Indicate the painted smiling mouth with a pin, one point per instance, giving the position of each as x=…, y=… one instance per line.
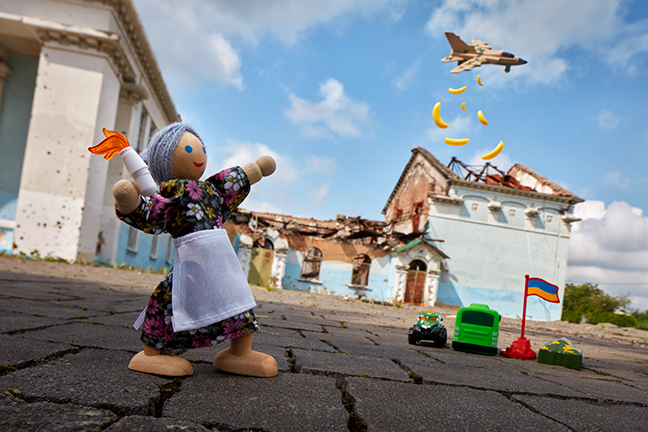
x=199, y=164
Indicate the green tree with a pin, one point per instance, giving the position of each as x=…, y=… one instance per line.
x=586, y=302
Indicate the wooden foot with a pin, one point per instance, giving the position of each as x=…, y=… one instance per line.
x=254, y=364
x=241, y=360
x=151, y=361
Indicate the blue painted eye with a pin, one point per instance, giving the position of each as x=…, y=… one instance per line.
x=204, y=150
x=188, y=149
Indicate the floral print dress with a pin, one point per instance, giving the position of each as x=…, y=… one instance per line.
x=184, y=207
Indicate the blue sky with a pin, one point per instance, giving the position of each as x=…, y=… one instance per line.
x=339, y=92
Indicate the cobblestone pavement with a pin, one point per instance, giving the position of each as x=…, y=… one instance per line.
x=66, y=340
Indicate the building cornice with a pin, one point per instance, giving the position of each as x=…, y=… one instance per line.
x=570, y=200
x=134, y=30
x=134, y=40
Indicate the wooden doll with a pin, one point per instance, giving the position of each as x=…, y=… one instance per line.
x=205, y=299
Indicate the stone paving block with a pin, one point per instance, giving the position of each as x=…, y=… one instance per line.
x=12, y=321
x=90, y=335
x=360, y=342
x=44, y=308
x=346, y=364
x=152, y=424
x=603, y=388
x=288, y=402
x=635, y=374
x=490, y=378
x=109, y=304
x=414, y=407
x=286, y=338
x=35, y=290
x=17, y=415
x=125, y=319
x=95, y=378
x=586, y=416
x=16, y=350
x=294, y=325
x=461, y=358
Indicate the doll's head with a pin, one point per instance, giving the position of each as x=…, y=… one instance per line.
x=175, y=151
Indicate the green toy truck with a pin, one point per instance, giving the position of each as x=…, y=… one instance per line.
x=428, y=328
x=476, y=330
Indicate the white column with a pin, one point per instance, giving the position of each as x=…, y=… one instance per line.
x=127, y=112
x=62, y=184
x=400, y=284
x=4, y=71
x=278, y=268
x=432, y=291
x=245, y=254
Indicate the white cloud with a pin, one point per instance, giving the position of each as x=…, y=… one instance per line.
x=241, y=153
x=460, y=127
x=336, y=113
x=501, y=161
x=618, y=179
x=405, y=80
x=608, y=120
x=610, y=247
x=317, y=196
x=186, y=48
x=540, y=31
x=321, y=165
x=192, y=38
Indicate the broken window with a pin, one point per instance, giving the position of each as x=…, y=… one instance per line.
x=360, y=274
x=312, y=264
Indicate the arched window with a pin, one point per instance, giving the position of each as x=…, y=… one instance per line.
x=312, y=264
x=263, y=243
x=417, y=265
x=360, y=274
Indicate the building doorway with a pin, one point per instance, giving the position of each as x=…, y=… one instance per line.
x=261, y=263
x=415, y=287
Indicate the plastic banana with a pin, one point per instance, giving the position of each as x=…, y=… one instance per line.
x=495, y=152
x=479, y=80
x=457, y=91
x=481, y=117
x=456, y=142
x=437, y=117
x=463, y=106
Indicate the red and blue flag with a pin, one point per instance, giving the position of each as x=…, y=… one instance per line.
x=542, y=289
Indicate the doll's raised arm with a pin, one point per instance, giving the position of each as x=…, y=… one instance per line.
x=263, y=167
x=126, y=196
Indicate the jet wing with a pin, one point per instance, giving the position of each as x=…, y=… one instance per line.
x=481, y=44
x=466, y=66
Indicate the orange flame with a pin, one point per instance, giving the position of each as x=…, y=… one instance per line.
x=113, y=144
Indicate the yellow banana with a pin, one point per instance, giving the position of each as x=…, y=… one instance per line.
x=482, y=119
x=456, y=142
x=437, y=117
x=479, y=80
x=495, y=152
x=457, y=91
x=463, y=106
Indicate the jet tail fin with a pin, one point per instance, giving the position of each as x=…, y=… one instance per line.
x=457, y=44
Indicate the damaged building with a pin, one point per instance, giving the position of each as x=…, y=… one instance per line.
x=454, y=234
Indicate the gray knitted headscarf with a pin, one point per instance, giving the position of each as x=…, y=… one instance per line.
x=159, y=153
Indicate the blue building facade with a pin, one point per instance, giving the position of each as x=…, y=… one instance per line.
x=495, y=227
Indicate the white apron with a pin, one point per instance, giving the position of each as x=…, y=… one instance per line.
x=208, y=281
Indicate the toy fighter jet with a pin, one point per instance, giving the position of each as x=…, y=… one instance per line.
x=470, y=56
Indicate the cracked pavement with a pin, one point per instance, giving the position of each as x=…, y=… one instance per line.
x=344, y=365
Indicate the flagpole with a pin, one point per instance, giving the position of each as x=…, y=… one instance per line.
x=526, y=289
